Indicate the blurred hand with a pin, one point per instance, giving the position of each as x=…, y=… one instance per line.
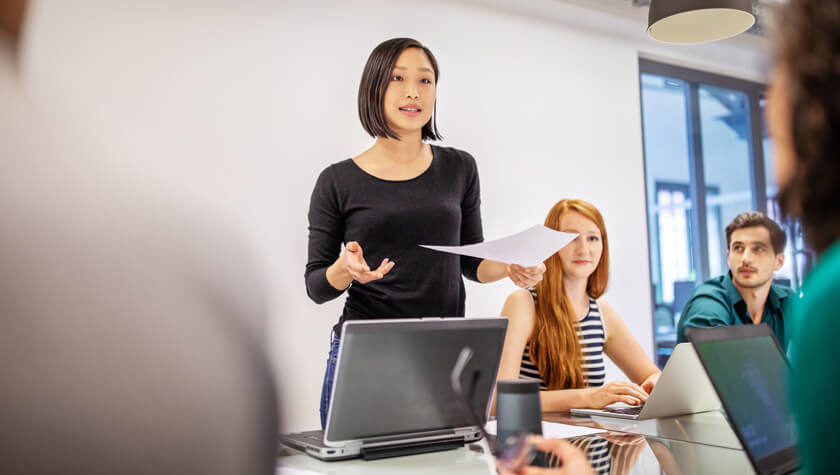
x=570, y=459
x=354, y=262
x=616, y=391
x=651, y=381
x=525, y=277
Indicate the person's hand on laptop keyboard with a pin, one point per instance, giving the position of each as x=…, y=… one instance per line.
x=616, y=391
x=651, y=381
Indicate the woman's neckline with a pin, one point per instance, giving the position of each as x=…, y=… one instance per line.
x=416, y=177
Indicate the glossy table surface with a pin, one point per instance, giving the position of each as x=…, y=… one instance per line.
x=708, y=428
x=695, y=444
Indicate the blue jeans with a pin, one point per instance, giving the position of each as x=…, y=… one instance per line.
x=329, y=375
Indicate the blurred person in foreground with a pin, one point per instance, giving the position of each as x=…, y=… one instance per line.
x=803, y=114
x=564, y=457
x=124, y=345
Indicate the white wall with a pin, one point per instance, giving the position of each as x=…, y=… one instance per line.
x=241, y=104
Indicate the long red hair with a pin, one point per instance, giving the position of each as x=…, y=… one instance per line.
x=553, y=344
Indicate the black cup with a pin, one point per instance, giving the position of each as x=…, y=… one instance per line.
x=518, y=408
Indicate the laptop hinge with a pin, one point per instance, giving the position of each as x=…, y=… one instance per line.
x=421, y=447
x=420, y=436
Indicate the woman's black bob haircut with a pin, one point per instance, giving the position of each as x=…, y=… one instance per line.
x=375, y=80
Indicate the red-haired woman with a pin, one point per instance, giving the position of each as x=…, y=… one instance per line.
x=560, y=330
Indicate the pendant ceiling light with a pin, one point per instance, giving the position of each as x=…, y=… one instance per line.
x=698, y=21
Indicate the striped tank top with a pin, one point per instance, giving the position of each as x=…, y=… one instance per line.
x=591, y=336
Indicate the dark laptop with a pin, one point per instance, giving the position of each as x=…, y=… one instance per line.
x=392, y=394
x=750, y=374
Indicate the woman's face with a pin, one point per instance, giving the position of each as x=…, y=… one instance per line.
x=581, y=257
x=780, y=125
x=410, y=96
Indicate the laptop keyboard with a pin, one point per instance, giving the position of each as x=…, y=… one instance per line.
x=310, y=435
x=311, y=438
x=630, y=411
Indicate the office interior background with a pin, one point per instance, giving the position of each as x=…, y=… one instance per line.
x=240, y=105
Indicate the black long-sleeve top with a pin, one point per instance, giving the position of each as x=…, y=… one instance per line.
x=390, y=219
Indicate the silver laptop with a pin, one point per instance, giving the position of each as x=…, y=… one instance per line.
x=683, y=388
x=392, y=394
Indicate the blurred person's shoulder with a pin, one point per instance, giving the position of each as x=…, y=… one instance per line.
x=60, y=197
x=131, y=318
x=822, y=284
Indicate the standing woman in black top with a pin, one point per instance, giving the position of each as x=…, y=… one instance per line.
x=399, y=193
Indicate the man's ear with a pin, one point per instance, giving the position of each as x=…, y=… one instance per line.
x=780, y=260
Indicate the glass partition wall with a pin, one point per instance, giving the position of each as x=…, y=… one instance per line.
x=707, y=159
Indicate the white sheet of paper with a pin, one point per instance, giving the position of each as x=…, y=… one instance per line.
x=527, y=248
x=554, y=430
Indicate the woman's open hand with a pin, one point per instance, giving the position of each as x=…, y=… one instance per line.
x=357, y=267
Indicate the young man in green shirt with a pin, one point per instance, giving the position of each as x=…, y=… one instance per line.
x=746, y=294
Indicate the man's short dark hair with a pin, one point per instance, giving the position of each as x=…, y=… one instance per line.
x=375, y=80
x=751, y=219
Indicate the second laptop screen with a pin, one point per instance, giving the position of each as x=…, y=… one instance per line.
x=750, y=375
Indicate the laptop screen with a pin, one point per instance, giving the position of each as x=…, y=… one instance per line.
x=750, y=375
x=393, y=377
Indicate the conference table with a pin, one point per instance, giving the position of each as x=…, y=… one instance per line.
x=690, y=444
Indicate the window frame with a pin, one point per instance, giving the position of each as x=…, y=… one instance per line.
x=659, y=185
x=692, y=79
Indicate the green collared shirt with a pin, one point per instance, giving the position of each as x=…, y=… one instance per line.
x=717, y=302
